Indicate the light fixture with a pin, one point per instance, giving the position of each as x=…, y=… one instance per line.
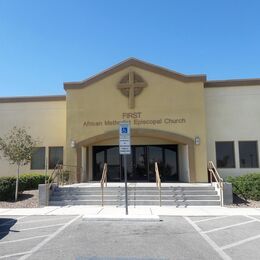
x=73, y=144
x=197, y=140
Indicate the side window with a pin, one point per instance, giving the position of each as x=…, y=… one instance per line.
x=55, y=156
x=225, y=154
x=38, y=159
x=248, y=154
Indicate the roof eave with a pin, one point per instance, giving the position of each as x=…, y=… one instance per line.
x=140, y=64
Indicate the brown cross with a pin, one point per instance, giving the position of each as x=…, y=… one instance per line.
x=131, y=85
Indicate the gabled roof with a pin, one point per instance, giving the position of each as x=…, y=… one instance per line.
x=139, y=64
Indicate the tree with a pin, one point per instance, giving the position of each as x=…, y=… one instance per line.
x=17, y=147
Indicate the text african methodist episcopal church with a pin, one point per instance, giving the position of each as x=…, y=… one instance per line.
x=180, y=121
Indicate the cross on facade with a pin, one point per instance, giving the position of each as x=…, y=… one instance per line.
x=131, y=86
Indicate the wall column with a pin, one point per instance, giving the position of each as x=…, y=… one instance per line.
x=83, y=164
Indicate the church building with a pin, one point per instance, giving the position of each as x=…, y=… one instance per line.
x=179, y=121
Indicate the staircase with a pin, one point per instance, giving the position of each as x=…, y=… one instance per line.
x=172, y=194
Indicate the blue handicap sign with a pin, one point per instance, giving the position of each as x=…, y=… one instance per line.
x=124, y=130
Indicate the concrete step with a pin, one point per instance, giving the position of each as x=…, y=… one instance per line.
x=121, y=191
x=179, y=188
x=184, y=203
x=135, y=197
x=193, y=195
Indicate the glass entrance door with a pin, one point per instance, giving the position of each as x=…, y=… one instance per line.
x=110, y=155
x=140, y=164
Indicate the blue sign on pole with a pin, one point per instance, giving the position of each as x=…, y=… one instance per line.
x=124, y=138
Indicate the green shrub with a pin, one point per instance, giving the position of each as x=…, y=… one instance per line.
x=247, y=185
x=7, y=188
x=28, y=181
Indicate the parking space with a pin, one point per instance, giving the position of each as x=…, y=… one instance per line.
x=19, y=236
x=232, y=237
x=69, y=237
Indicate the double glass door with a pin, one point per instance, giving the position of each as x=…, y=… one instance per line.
x=140, y=164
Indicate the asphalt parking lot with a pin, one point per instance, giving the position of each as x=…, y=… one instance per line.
x=69, y=237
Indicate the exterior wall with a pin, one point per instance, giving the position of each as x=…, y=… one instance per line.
x=45, y=121
x=163, y=98
x=232, y=115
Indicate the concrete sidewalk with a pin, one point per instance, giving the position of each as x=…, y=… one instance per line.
x=118, y=212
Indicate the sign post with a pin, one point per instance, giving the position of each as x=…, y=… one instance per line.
x=125, y=149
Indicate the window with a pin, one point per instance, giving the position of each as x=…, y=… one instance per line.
x=55, y=156
x=248, y=154
x=38, y=158
x=225, y=154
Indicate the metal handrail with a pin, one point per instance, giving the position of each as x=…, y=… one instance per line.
x=220, y=182
x=158, y=181
x=56, y=172
x=102, y=182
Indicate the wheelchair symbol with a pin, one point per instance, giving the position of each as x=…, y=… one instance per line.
x=124, y=130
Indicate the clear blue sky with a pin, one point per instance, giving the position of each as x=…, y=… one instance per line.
x=45, y=43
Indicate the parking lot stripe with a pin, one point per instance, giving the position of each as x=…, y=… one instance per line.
x=17, y=254
x=48, y=239
x=55, y=225
x=251, y=217
x=207, y=219
x=240, y=242
x=229, y=226
x=42, y=220
x=221, y=253
x=22, y=239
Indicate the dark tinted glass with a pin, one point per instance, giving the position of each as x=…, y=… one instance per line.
x=225, y=154
x=38, y=158
x=113, y=164
x=248, y=155
x=99, y=160
x=55, y=156
x=140, y=163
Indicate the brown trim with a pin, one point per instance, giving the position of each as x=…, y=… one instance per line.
x=176, y=138
x=32, y=99
x=232, y=83
x=139, y=64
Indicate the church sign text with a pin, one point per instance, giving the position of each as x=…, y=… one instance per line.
x=136, y=120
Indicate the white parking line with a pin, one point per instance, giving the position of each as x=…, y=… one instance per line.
x=22, y=239
x=45, y=241
x=225, y=227
x=251, y=217
x=55, y=225
x=219, y=250
x=207, y=219
x=240, y=242
x=43, y=220
x=17, y=254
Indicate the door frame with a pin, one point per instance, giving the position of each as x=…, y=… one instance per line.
x=151, y=133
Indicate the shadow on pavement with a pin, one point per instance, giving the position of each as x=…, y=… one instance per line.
x=239, y=200
x=5, y=226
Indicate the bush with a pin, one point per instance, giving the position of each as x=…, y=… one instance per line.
x=247, y=185
x=7, y=188
x=26, y=182
x=30, y=181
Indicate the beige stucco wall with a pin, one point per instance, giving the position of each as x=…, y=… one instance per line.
x=45, y=121
x=232, y=115
x=163, y=98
